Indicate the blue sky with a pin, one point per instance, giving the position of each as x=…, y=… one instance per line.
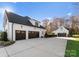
x=38, y=10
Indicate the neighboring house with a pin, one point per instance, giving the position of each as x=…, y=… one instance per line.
x=19, y=27
x=61, y=31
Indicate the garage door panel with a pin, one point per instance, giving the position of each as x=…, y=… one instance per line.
x=62, y=34
x=33, y=34
x=20, y=34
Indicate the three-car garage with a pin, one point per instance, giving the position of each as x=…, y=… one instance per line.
x=20, y=34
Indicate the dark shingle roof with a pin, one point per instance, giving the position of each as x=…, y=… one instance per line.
x=14, y=18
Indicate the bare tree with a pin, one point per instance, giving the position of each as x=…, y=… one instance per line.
x=75, y=23
x=45, y=22
x=48, y=26
x=57, y=22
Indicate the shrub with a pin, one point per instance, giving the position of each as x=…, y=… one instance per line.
x=76, y=36
x=50, y=35
x=4, y=36
x=6, y=43
x=0, y=36
x=71, y=32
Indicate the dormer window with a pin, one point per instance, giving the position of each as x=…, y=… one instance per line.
x=36, y=23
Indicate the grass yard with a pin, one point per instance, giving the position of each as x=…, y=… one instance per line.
x=72, y=48
x=77, y=39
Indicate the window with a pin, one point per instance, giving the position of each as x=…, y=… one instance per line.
x=21, y=26
x=17, y=31
x=36, y=23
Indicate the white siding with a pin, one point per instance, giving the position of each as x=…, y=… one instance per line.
x=7, y=26
x=10, y=31
x=61, y=29
x=25, y=28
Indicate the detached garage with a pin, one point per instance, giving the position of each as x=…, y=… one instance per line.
x=61, y=32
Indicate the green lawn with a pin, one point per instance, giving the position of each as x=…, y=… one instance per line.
x=72, y=48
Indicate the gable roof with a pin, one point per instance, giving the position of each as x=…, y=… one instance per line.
x=14, y=18
x=61, y=29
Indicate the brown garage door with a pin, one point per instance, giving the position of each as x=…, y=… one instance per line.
x=62, y=34
x=33, y=34
x=20, y=34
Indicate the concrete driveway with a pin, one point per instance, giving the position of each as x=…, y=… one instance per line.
x=39, y=47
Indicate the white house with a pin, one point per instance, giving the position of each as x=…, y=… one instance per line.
x=19, y=27
x=61, y=31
